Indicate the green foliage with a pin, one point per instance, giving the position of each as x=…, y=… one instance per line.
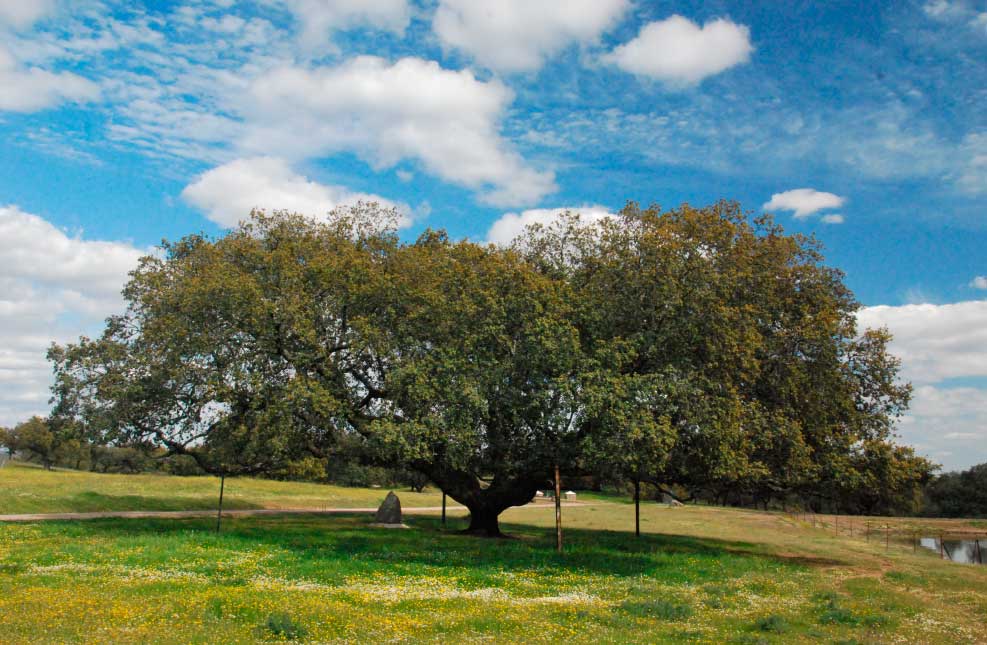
x=775, y=624
x=689, y=347
x=959, y=494
x=282, y=626
x=37, y=441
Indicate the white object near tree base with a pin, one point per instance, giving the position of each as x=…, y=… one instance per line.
x=570, y=494
x=539, y=494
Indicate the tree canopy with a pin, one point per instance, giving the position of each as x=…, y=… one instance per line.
x=691, y=347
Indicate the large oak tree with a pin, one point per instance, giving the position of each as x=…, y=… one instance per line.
x=690, y=347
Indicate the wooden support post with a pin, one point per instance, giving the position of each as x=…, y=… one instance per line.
x=219, y=513
x=443, y=509
x=942, y=548
x=558, y=510
x=637, y=507
x=978, y=556
x=887, y=536
x=837, y=524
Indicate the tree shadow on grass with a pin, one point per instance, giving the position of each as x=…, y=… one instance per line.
x=89, y=501
x=331, y=547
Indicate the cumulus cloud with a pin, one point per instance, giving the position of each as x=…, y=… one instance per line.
x=949, y=424
x=833, y=218
x=387, y=112
x=804, y=202
x=510, y=225
x=518, y=35
x=318, y=18
x=972, y=177
x=935, y=342
x=229, y=192
x=29, y=89
x=24, y=13
x=979, y=282
x=53, y=287
x=680, y=52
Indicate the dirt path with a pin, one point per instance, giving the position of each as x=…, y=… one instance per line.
x=40, y=517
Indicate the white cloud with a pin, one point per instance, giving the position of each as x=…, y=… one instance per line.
x=228, y=193
x=24, y=13
x=387, y=112
x=680, y=52
x=318, y=18
x=52, y=288
x=28, y=89
x=935, y=342
x=833, y=218
x=979, y=282
x=803, y=201
x=942, y=9
x=972, y=177
x=510, y=225
x=518, y=35
x=949, y=424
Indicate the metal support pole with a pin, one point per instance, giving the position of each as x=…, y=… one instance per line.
x=558, y=510
x=637, y=507
x=219, y=513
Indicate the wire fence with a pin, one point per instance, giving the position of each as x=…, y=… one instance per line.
x=964, y=545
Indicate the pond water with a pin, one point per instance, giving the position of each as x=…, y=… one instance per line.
x=962, y=551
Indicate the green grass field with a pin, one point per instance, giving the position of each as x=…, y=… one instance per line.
x=699, y=574
x=29, y=489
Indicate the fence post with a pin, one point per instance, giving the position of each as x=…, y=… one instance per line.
x=558, y=510
x=219, y=513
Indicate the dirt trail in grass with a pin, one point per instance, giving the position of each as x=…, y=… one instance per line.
x=40, y=517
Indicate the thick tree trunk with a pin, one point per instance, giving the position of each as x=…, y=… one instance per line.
x=484, y=522
x=485, y=503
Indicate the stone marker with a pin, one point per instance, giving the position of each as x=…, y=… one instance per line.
x=389, y=513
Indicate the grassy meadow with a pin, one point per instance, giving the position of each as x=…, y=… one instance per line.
x=30, y=489
x=697, y=575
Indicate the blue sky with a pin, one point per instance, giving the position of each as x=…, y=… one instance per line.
x=864, y=124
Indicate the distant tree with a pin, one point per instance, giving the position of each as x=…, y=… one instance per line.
x=6, y=440
x=35, y=440
x=959, y=494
